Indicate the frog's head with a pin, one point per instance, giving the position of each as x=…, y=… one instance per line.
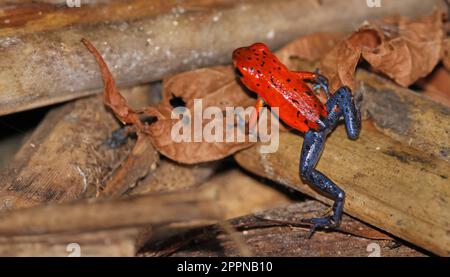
x=248, y=59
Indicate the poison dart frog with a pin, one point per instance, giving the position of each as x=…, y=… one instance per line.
x=276, y=86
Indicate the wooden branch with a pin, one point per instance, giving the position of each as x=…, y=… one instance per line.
x=26, y=16
x=276, y=232
x=136, y=211
x=112, y=243
x=237, y=193
x=388, y=184
x=52, y=66
x=240, y=194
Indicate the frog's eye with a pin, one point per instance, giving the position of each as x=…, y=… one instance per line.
x=260, y=47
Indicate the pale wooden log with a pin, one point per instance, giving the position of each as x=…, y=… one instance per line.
x=39, y=69
x=30, y=16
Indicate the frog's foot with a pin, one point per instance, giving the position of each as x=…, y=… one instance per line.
x=319, y=223
x=321, y=82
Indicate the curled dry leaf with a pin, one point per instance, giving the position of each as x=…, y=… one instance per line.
x=112, y=97
x=308, y=48
x=142, y=160
x=214, y=87
x=304, y=53
x=403, y=49
x=436, y=86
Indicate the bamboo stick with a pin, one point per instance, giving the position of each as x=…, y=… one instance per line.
x=405, y=115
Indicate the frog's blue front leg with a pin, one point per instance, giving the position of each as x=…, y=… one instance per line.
x=341, y=103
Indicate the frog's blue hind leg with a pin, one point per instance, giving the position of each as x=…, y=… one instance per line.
x=311, y=151
x=341, y=103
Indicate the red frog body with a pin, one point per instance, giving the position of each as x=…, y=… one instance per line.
x=264, y=74
x=261, y=72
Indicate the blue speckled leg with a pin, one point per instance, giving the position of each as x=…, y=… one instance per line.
x=341, y=103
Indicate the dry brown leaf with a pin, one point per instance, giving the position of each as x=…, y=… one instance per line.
x=436, y=86
x=112, y=97
x=142, y=160
x=340, y=63
x=304, y=53
x=216, y=87
x=446, y=53
x=309, y=48
x=401, y=48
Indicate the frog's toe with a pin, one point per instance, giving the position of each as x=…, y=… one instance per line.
x=319, y=223
x=322, y=82
x=316, y=88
